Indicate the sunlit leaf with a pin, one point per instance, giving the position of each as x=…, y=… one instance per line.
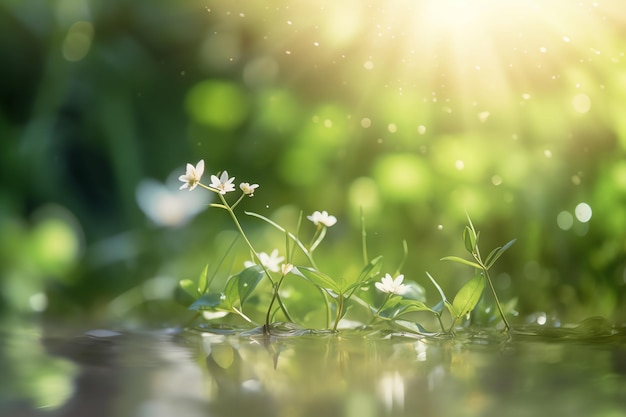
x=469, y=239
x=249, y=278
x=469, y=295
x=496, y=253
x=189, y=287
x=203, y=282
x=320, y=279
x=461, y=261
x=208, y=301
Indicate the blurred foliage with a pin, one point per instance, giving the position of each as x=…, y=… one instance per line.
x=414, y=111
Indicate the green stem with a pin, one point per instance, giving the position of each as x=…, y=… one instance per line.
x=387, y=297
x=495, y=296
x=339, y=312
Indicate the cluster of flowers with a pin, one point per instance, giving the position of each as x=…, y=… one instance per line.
x=222, y=184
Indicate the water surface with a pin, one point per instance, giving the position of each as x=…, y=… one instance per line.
x=100, y=372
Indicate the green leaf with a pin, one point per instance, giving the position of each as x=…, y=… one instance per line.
x=208, y=301
x=231, y=291
x=413, y=305
x=319, y=279
x=370, y=269
x=247, y=281
x=443, y=296
x=203, y=282
x=496, y=253
x=189, y=287
x=469, y=238
x=469, y=295
x=415, y=292
x=461, y=261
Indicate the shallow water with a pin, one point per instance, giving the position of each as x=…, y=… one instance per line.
x=529, y=371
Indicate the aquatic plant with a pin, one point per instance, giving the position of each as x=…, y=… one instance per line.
x=336, y=293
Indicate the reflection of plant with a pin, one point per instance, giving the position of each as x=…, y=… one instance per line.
x=338, y=295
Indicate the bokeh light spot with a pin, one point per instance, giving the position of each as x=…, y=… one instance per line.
x=581, y=103
x=564, y=220
x=402, y=177
x=78, y=41
x=583, y=212
x=218, y=104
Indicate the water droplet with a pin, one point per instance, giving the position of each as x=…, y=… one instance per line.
x=366, y=122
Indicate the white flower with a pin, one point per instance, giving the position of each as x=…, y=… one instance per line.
x=392, y=286
x=286, y=268
x=192, y=176
x=223, y=184
x=271, y=261
x=248, y=188
x=322, y=218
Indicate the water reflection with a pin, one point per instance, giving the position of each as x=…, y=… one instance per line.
x=351, y=373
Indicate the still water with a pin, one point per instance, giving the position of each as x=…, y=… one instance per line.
x=100, y=372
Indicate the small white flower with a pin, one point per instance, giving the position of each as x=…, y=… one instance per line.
x=248, y=188
x=286, y=268
x=271, y=261
x=322, y=218
x=392, y=286
x=192, y=176
x=223, y=184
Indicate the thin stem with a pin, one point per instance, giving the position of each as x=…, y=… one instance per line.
x=243, y=234
x=339, y=312
x=364, y=238
x=495, y=296
x=246, y=318
x=376, y=314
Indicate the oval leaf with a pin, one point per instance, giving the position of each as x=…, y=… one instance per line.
x=468, y=296
x=203, y=282
x=496, y=253
x=189, y=287
x=461, y=261
x=320, y=279
x=207, y=302
x=249, y=278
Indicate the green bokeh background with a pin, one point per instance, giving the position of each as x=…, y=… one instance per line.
x=413, y=112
